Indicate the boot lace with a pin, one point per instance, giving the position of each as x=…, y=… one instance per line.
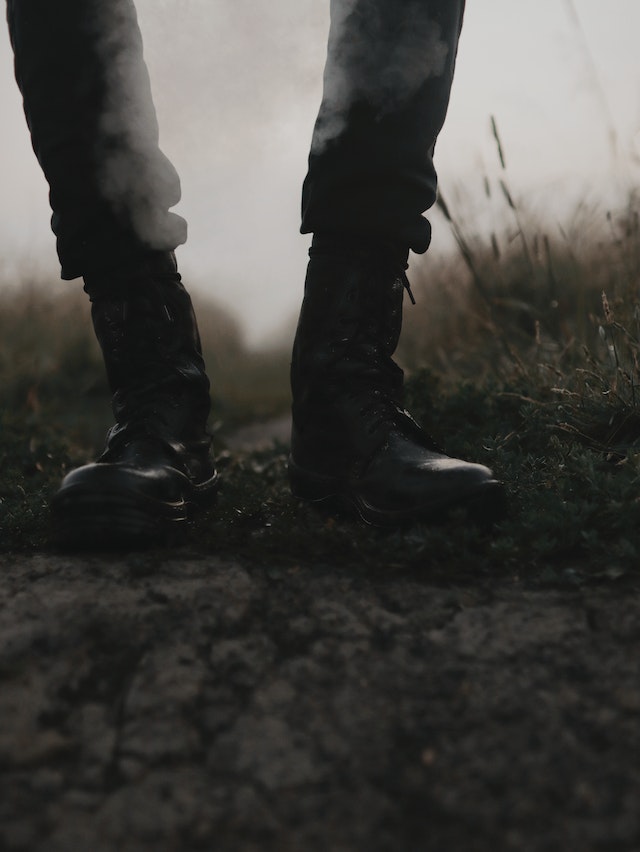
x=371, y=343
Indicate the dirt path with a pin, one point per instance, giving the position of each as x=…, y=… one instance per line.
x=184, y=703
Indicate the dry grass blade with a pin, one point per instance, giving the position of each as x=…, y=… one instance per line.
x=508, y=196
x=465, y=249
x=496, y=136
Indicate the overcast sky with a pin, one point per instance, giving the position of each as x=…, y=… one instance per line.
x=237, y=84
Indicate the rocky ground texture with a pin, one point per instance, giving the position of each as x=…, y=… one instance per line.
x=171, y=701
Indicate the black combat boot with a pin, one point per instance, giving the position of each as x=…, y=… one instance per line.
x=156, y=466
x=353, y=444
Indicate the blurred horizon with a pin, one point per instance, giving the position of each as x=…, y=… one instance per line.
x=237, y=90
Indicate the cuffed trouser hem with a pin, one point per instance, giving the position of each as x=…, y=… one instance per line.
x=113, y=248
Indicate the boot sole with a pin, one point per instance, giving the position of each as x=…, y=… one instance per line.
x=484, y=504
x=84, y=519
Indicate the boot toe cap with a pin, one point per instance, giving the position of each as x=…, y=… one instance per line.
x=405, y=478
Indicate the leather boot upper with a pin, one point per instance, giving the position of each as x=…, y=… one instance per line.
x=149, y=338
x=352, y=438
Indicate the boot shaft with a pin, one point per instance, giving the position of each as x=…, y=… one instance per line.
x=147, y=330
x=347, y=390
x=349, y=328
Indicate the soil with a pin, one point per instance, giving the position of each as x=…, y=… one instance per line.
x=190, y=703
x=175, y=701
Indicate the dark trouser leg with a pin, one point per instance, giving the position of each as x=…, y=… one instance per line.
x=371, y=177
x=88, y=105
x=387, y=81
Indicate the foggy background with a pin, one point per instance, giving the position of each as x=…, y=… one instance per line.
x=237, y=84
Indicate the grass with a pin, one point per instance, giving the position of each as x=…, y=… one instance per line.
x=522, y=353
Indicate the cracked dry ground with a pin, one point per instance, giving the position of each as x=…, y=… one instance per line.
x=179, y=702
